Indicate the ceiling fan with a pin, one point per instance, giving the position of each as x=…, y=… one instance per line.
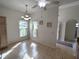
x=43, y=3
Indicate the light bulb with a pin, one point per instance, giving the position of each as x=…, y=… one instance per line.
x=42, y=4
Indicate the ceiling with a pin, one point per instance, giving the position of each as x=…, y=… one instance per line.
x=20, y=4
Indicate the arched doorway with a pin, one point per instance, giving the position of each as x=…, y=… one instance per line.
x=70, y=31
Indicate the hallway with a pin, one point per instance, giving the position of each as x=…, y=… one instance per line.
x=31, y=50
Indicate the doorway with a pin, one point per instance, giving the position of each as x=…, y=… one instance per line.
x=3, y=32
x=70, y=31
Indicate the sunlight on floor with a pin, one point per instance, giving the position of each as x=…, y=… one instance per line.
x=33, y=45
x=23, y=49
x=24, y=46
x=34, y=49
x=26, y=56
x=0, y=56
x=75, y=48
x=8, y=52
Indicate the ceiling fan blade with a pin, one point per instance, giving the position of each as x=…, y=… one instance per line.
x=55, y=2
x=35, y=6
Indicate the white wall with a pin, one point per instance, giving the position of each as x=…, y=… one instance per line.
x=68, y=13
x=13, y=18
x=47, y=36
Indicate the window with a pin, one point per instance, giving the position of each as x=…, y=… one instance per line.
x=23, y=27
x=35, y=28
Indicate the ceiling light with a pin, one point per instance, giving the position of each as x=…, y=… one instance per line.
x=26, y=16
x=29, y=18
x=26, y=19
x=77, y=24
x=42, y=3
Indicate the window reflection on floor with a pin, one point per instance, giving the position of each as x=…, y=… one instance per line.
x=23, y=49
x=34, y=49
x=24, y=52
x=26, y=56
x=9, y=51
x=34, y=52
x=33, y=45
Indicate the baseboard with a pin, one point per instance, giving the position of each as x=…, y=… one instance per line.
x=16, y=42
x=43, y=44
x=1, y=49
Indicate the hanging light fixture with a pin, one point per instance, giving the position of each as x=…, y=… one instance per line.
x=42, y=3
x=77, y=24
x=26, y=15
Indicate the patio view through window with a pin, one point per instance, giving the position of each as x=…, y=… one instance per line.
x=23, y=27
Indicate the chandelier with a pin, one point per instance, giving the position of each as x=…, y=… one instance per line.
x=26, y=15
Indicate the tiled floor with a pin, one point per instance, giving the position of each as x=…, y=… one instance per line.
x=31, y=50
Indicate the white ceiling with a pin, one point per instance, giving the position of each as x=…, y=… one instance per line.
x=20, y=4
